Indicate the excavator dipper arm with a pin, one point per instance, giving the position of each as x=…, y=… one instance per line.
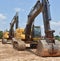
x=46, y=19
x=49, y=46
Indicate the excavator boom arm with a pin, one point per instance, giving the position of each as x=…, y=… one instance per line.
x=32, y=15
x=14, y=21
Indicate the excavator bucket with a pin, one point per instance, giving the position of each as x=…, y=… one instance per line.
x=18, y=44
x=51, y=49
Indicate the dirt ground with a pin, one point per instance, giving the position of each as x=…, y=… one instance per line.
x=8, y=53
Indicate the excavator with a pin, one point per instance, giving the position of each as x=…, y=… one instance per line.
x=7, y=35
x=19, y=41
x=17, y=37
x=49, y=46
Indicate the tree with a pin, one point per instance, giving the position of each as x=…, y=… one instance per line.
x=1, y=34
x=57, y=37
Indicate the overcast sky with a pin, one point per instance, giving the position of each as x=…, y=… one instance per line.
x=8, y=9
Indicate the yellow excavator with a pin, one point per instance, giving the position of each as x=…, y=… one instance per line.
x=18, y=37
x=7, y=35
x=49, y=46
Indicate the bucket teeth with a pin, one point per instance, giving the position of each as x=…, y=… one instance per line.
x=53, y=49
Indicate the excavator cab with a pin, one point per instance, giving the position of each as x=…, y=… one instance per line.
x=35, y=36
x=36, y=33
x=5, y=37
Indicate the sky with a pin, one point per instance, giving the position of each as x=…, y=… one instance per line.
x=8, y=9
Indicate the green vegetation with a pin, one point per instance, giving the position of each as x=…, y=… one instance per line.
x=1, y=34
x=57, y=37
